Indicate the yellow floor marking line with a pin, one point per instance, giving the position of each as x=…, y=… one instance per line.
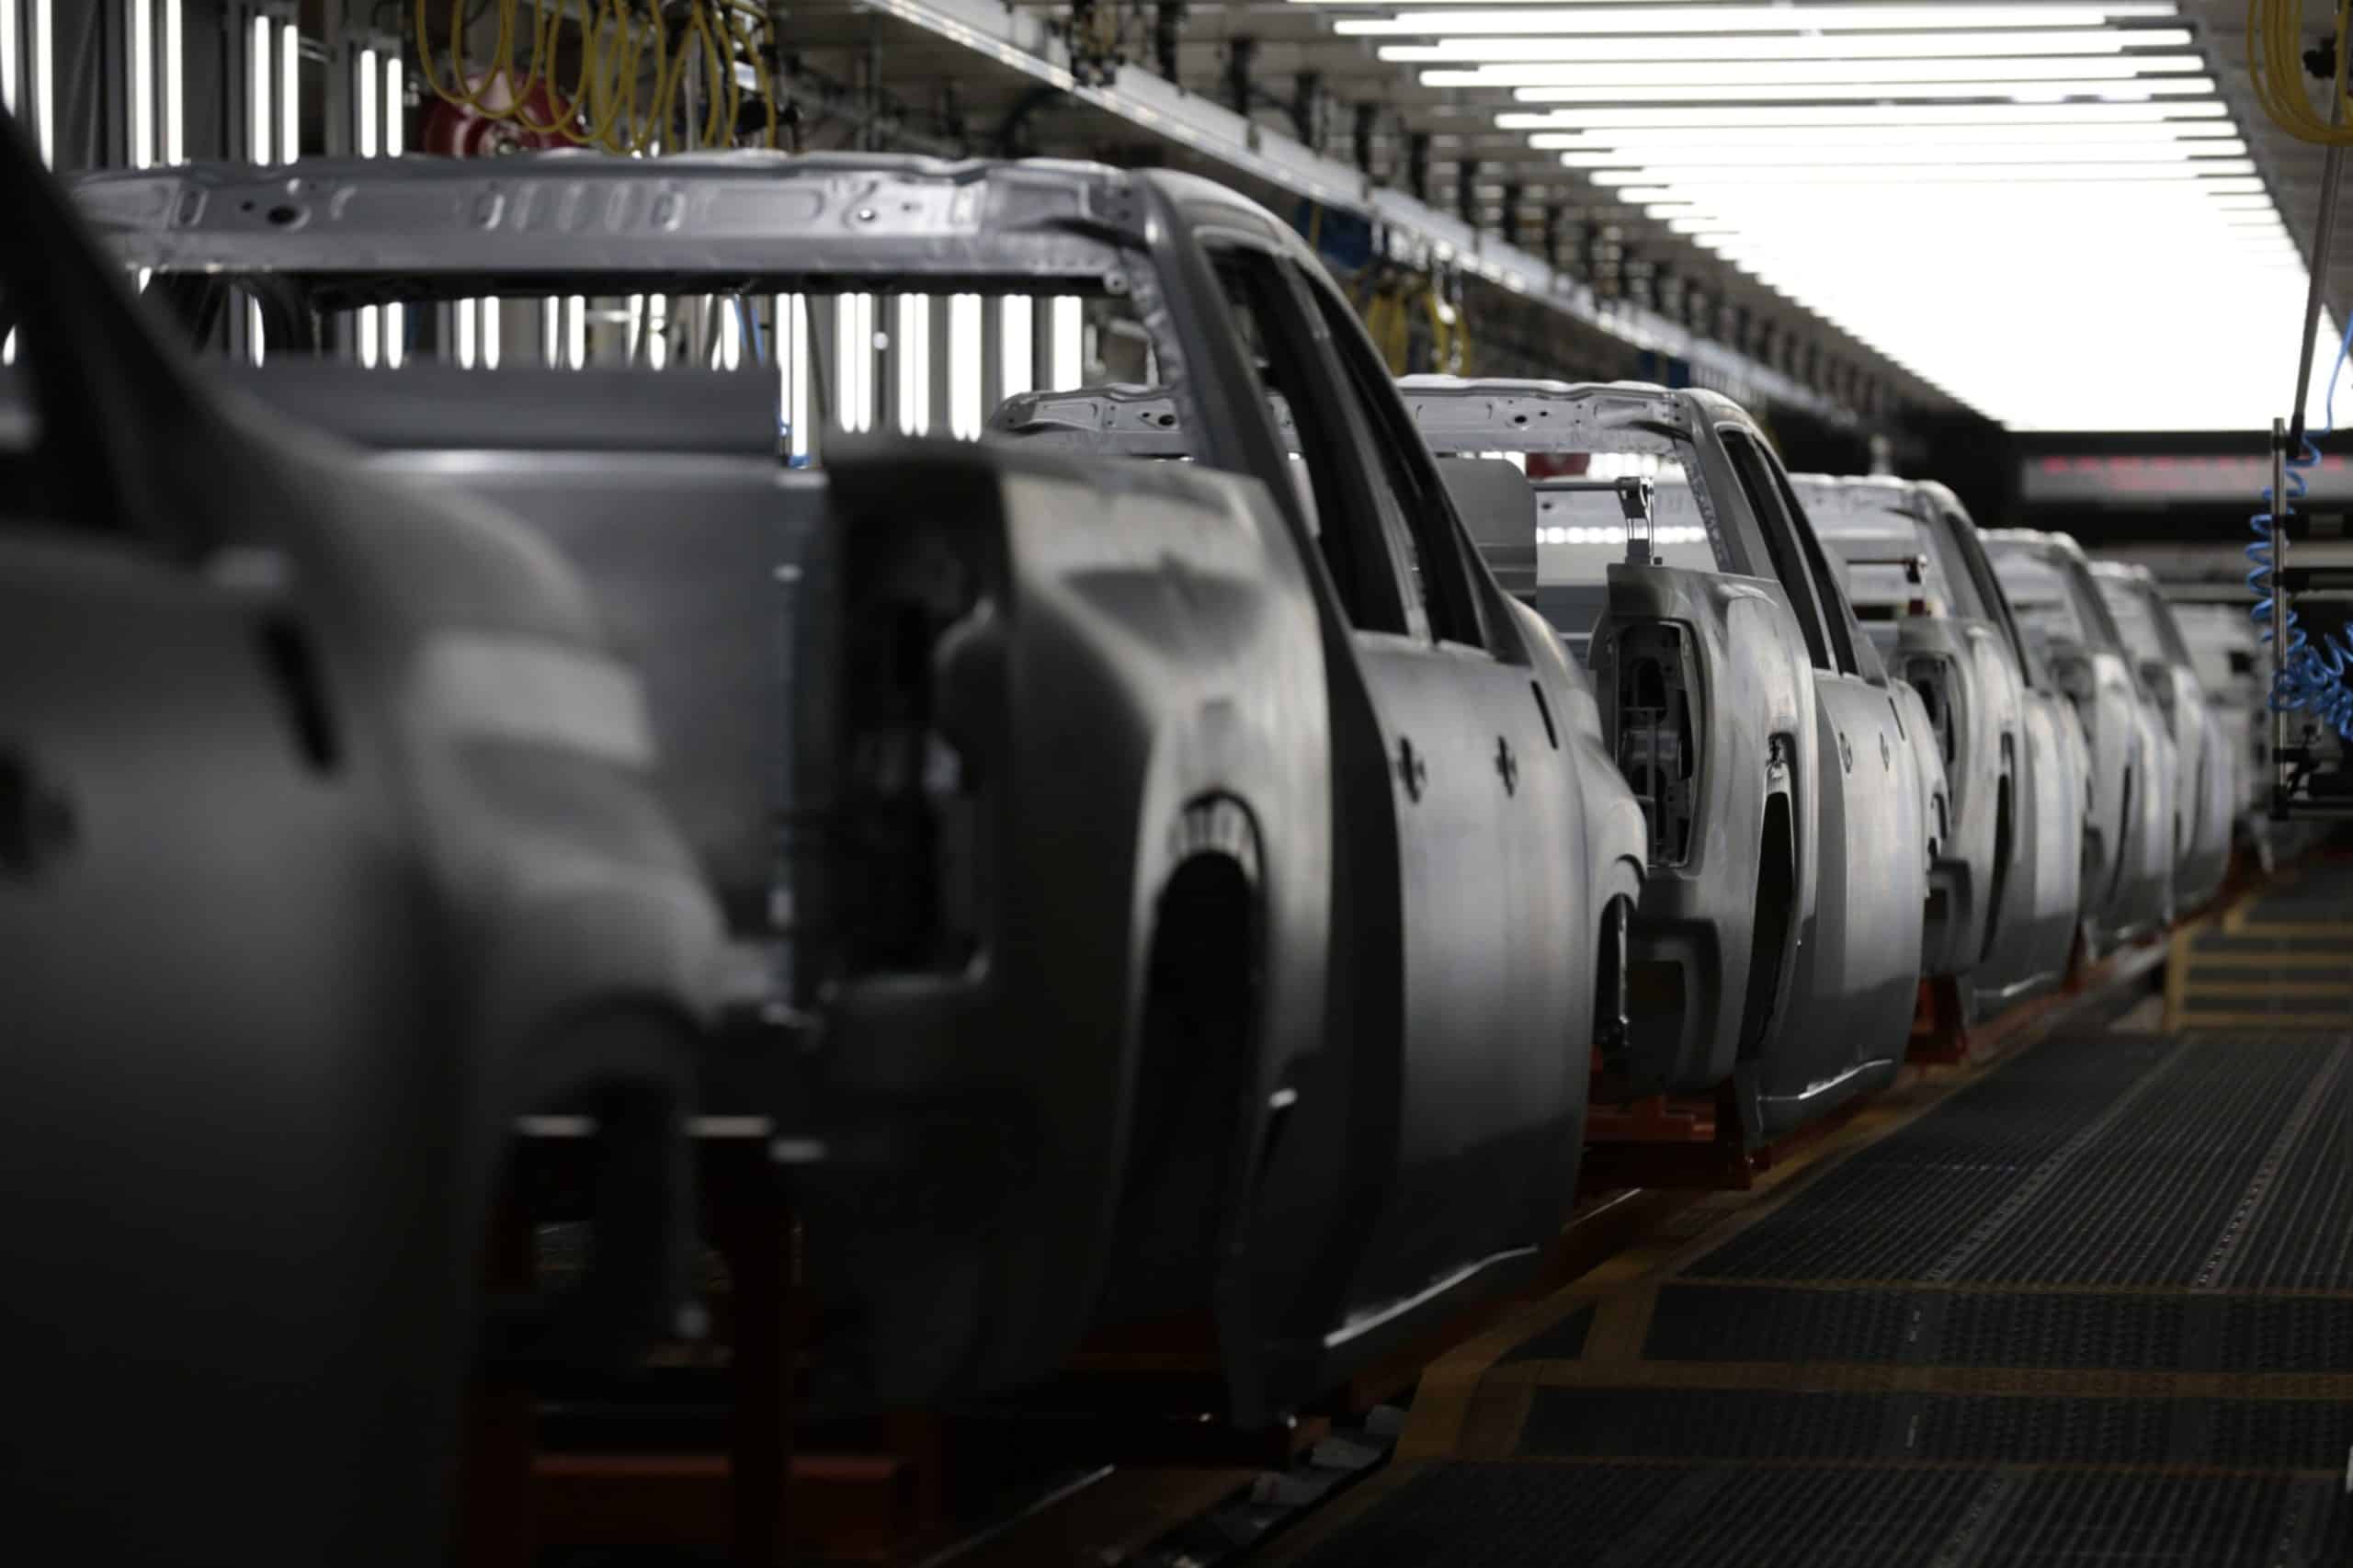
x=2011, y=1288
x=2304, y=960
x=2293, y=1023
x=1893, y=1377
x=1444, y=1403
x=1779, y=1462
x=2177, y=976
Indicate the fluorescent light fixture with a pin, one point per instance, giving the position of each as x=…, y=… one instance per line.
x=2210, y=158
x=365, y=79
x=792, y=372
x=260, y=63
x=575, y=331
x=1890, y=78
x=174, y=86
x=1065, y=326
x=2146, y=87
x=658, y=330
x=44, y=46
x=551, y=329
x=1017, y=345
x=290, y=91
x=492, y=331
x=140, y=48
x=1579, y=533
x=464, y=315
x=1897, y=49
x=966, y=378
x=1856, y=115
x=915, y=364
x=854, y=360
x=2185, y=138
x=9, y=20
x=396, y=335
x=395, y=105
x=1869, y=172
x=255, y=349
x=1475, y=17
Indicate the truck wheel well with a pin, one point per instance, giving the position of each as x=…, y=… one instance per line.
x=1609, y=959
x=1194, y=1058
x=2004, y=826
x=1775, y=911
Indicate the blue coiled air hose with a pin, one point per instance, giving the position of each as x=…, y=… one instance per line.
x=2311, y=676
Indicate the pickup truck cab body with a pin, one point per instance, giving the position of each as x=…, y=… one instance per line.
x=2005, y=892
x=1156, y=889
x=1789, y=785
x=2129, y=822
x=2205, y=779
x=334, y=850
x=2227, y=648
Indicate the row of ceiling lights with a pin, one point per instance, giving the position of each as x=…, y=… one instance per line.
x=2046, y=209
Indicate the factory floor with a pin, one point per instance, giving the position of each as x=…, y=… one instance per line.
x=2092, y=1305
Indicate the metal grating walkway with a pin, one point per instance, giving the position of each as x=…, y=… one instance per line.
x=2093, y=1306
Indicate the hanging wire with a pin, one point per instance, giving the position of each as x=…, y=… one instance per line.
x=624, y=96
x=2274, y=65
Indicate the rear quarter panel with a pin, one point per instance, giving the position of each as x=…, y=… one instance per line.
x=1159, y=646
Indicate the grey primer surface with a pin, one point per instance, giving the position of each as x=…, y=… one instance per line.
x=2205, y=762
x=2010, y=875
x=2228, y=650
x=350, y=853
x=1148, y=938
x=2130, y=828
x=1776, y=943
x=1782, y=948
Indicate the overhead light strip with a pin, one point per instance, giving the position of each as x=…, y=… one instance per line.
x=2134, y=90
x=1720, y=116
x=2184, y=135
x=1866, y=171
x=140, y=48
x=1485, y=15
x=2191, y=155
x=44, y=63
x=1889, y=78
x=1802, y=47
x=9, y=55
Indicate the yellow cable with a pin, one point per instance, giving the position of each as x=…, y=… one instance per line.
x=606, y=106
x=2275, y=70
x=563, y=113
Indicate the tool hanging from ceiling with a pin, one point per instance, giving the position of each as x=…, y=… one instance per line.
x=2308, y=675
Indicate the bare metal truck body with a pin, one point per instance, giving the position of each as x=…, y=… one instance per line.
x=2228, y=651
x=2010, y=878
x=2204, y=777
x=2130, y=821
x=344, y=853
x=1791, y=787
x=1149, y=895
